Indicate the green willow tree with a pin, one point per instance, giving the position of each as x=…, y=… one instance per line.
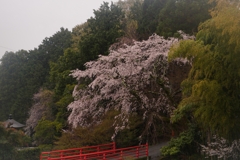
x=212, y=89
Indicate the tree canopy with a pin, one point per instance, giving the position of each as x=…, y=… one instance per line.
x=212, y=88
x=102, y=30
x=183, y=15
x=24, y=72
x=10, y=139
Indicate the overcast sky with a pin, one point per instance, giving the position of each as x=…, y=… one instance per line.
x=25, y=23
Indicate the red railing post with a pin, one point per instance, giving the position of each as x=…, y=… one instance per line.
x=104, y=156
x=61, y=154
x=114, y=145
x=48, y=158
x=137, y=153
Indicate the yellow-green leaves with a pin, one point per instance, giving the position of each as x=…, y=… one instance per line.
x=223, y=29
x=189, y=49
x=211, y=92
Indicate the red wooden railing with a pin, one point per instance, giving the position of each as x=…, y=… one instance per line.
x=62, y=154
x=113, y=154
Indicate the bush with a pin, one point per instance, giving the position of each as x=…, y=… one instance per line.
x=28, y=154
x=182, y=145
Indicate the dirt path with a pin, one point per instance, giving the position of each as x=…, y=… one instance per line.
x=154, y=150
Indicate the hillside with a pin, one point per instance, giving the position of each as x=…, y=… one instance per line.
x=137, y=71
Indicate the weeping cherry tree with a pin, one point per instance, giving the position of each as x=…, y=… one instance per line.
x=131, y=80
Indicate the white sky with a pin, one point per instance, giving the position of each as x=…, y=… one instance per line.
x=25, y=23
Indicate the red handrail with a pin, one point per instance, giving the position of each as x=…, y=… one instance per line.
x=119, y=154
x=76, y=151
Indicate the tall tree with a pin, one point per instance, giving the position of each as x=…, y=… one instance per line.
x=89, y=40
x=59, y=80
x=102, y=31
x=24, y=72
x=212, y=89
x=21, y=75
x=148, y=19
x=53, y=47
x=183, y=15
x=132, y=10
x=131, y=80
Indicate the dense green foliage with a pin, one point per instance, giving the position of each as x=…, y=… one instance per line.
x=92, y=135
x=211, y=91
x=21, y=75
x=45, y=131
x=102, y=31
x=148, y=17
x=10, y=139
x=182, y=15
x=183, y=144
x=24, y=72
x=27, y=154
x=53, y=47
x=166, y=17
x=212, y=88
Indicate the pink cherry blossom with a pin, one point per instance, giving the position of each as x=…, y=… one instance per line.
x=129, y=79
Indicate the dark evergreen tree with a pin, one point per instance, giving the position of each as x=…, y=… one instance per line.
x=24, y=72
x=182, y=15
x=102, y=31
x=21, y=75
x=53, y=47
x=148, y=21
